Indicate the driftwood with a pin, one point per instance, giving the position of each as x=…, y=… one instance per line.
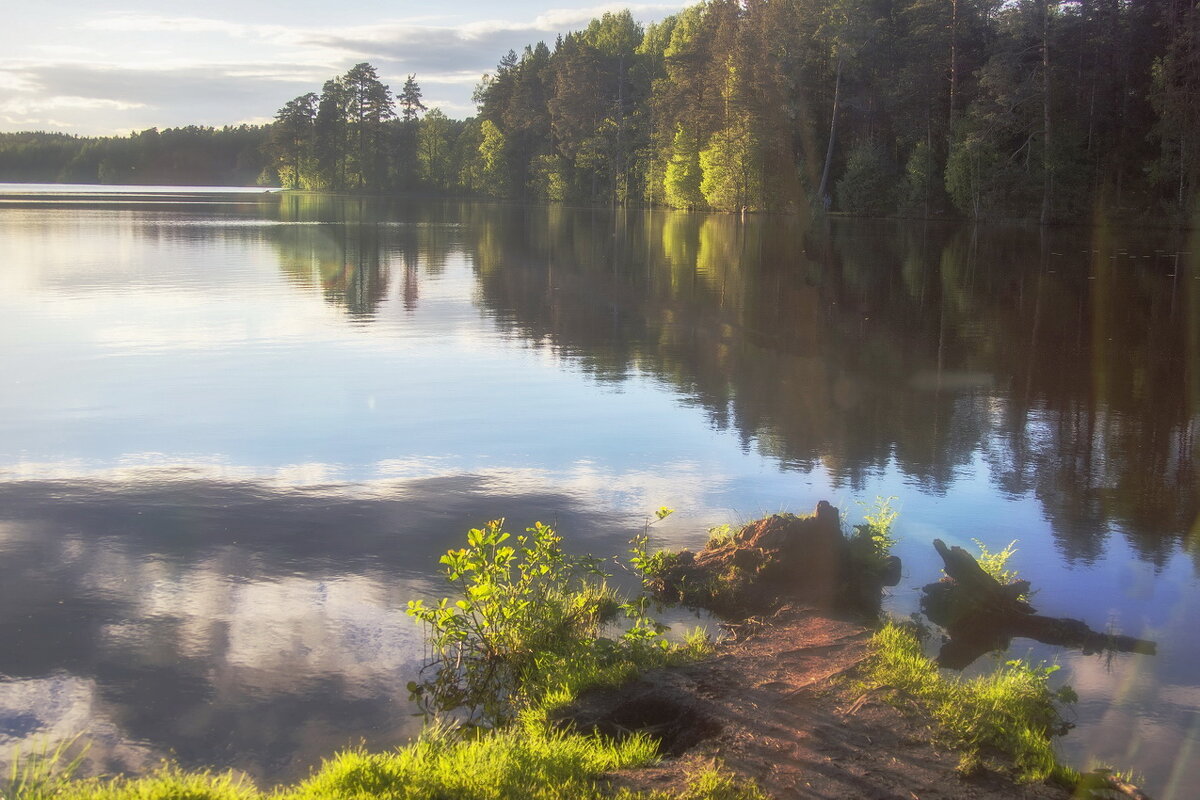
x=981, y=614
x=781, y=557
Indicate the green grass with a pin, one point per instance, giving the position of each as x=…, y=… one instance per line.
x=526, y=760
x=40, y=772
x=1012, y=712
x=167, y=783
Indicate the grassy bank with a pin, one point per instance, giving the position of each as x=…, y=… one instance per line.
x=527, y=759
x=1011, y=715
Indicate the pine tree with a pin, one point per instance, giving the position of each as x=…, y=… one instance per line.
x=410, y=100
x=292, y=140
x=369, y=104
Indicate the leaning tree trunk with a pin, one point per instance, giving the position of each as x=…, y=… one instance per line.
x=1047, y=158
x=837, y=88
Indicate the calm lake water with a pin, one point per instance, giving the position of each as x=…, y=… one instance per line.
x=237, y=431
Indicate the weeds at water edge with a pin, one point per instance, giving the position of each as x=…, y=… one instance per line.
x=1013, y=711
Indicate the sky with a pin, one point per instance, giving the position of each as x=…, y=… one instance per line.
x=89, y=68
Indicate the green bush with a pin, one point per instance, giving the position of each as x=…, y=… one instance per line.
x=921, y=192
x=867, y=187
x=526, y=627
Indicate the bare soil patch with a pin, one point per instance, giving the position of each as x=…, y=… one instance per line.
x=778, y=706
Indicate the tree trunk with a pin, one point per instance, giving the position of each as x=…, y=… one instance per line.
x=1047, y=163
x=953, y=67
x=837, y=88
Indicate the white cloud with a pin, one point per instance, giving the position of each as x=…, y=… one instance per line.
x=137, y=70
x=146, y=23
x=34, y=105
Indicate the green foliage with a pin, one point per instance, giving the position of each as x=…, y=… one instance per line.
x=732, y=170
x=42, y=773
x=681, y=181
x=971, y=158
x=995, y=564
x=166, y=783
x=493, y=178
x=525, y=627
x=879, y=517
x=433, y=147
x=529, y=759
x=715, y=784
x=867, y=186
x=719, y=536
x=921, y=190
x=192, y=155
x=650, y=565
x=1012, y=711
x=549, y=180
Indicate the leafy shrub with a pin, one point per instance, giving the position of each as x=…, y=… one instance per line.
x=995, y=564
x=526, y=627
x=879, y=518
x=867, y=187
x=922, y=191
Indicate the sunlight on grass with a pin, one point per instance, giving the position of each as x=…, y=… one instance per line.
x=1012, y=711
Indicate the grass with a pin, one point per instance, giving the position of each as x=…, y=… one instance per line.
x=39, y=773
x=525, y=760
x=1012, y=712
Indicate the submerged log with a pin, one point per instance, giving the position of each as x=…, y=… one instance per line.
x=981, y=614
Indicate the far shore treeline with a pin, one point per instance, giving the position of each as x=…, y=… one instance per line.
x=1035, y=109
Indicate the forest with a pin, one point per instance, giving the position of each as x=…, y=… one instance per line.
x=193, y=155
x=988, y=109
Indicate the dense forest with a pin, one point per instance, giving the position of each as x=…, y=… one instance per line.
x=1036, y=109
x=1032, y=108
x=196, y=156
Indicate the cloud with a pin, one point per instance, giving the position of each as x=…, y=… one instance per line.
x=147, y=23
x=145, y=70
x=34, y=105
x=480, y=43
x=199, y=94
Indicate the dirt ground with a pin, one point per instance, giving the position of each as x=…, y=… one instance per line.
x=775, y=706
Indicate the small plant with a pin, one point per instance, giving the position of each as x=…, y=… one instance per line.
x=647, y=564
x=526, y=627
x=517, y=606
x=995, y=564
x=870, y=545
x=713, y=783
x=719, y=536
x=879, y=517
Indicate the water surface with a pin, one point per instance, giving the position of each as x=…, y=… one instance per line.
x=236, y=432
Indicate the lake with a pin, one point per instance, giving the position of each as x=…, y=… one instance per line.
x=237, y=430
